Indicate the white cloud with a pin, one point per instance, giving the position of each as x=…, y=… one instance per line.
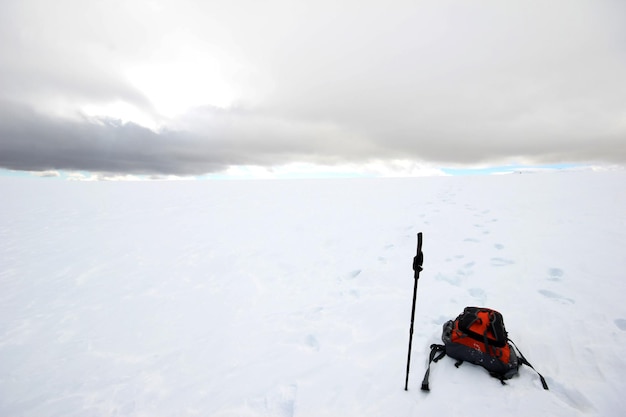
x=49, y=173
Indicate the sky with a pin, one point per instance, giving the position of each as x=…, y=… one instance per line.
x=190, y=87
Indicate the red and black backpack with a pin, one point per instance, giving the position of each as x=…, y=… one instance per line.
x=478, y=336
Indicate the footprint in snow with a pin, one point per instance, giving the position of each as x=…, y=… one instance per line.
x=456, y=281
x=311, y=342
x=440, y=320
x=355, y=273
x=557, y=297
x=621, y=324
x=479, y=295
x=467, y=269
x=455, y=257
x=501, y=262
x=279, y=402
x=555, y=274
x=498, y=246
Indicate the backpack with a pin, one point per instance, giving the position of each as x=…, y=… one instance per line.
x=478, y=336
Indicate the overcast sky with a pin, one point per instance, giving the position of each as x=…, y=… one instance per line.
x=188, y=87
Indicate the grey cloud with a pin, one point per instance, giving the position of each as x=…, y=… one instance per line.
x=30, y=141
x=34, y=142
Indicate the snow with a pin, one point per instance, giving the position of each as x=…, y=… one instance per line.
x=293, y=297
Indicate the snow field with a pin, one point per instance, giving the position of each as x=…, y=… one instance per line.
x=292, y=298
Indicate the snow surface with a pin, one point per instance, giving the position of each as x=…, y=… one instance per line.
x=293, y=298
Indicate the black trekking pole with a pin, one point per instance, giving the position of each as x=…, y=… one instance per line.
x=417, y=267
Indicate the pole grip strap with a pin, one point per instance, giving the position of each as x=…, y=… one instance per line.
x=434, y=357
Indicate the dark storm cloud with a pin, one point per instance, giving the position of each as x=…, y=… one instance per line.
x=32, y=142
x=322, y=82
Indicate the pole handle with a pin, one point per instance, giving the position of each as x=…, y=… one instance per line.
x=418, y=260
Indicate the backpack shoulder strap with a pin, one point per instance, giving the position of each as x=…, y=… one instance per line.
x=436, y=352
x=525, y=362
